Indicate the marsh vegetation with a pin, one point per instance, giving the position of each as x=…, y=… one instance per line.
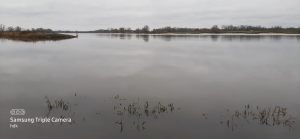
x=266, y=116
x=39, y=34
x=138, y=112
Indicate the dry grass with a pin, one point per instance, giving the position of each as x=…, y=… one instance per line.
x=34, y=36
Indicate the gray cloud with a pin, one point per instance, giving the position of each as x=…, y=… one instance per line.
x=94, y=14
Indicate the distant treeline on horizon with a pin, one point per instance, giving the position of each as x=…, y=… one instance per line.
x=215, y=29
x=4, y=28
x=180, y=30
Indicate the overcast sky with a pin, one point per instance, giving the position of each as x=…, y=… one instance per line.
x=95, y=14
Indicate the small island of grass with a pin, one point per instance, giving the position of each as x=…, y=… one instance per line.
x=40, y=34
x=34, y=36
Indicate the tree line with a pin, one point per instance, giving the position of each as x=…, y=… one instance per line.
x=213, y=29
x=4, y=28
x=179, y=30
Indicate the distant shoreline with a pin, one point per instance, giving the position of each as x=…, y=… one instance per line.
x=200, y=34
x=35, y=36
x=226, y=29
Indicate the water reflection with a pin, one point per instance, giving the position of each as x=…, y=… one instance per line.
x=30, y=40
x=213, y=37
x=145, y=38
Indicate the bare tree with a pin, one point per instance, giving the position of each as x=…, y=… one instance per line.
x=215, y=29
x=122, y=30
x=18, y=29
x=2, y=28
x=146, y=29
x=10, y=29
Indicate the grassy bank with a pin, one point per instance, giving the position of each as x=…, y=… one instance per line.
x=34, y=36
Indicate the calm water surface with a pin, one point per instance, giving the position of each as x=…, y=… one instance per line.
x=162, y=87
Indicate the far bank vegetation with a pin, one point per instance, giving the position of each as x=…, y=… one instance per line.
x=35, y=34
x=246, y=29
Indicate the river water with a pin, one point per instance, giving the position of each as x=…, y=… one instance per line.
x=153, y=87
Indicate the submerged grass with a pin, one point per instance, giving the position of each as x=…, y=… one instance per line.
x=268, y=116
x=138, y=112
